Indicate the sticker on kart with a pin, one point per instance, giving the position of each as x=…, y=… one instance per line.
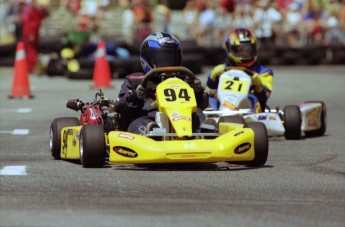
x=125, y=152
x=233, y=85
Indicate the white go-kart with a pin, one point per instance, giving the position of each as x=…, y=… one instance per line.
x=309, y=117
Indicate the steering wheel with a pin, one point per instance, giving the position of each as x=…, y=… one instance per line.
x=244, y=69
x=168, y=72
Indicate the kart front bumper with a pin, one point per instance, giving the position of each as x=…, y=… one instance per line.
x=236, y=145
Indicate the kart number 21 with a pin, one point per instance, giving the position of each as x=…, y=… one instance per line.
x=234, y=85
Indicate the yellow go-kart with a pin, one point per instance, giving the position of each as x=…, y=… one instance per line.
x=171, y=139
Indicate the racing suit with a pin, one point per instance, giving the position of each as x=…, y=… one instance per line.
x=259, y=94
x=136, y=113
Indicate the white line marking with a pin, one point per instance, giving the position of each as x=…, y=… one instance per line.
x=17, y=132
x=19, y=110
x=24, y=110
x=13, y=170
x=20, y=132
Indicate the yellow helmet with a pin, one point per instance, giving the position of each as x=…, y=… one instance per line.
x=241, y=47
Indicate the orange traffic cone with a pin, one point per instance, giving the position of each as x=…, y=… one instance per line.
x=20, y=85
x=101, y=73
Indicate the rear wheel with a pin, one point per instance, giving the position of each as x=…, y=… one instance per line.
x=321, y=131
x=292, y=122
x=260, y=144
x=92, y=146
x=55, y=133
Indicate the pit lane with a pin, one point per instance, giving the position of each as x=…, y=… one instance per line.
x=302, y=183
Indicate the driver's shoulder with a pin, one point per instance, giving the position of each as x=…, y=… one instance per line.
x=135, y=78
x=259, y=68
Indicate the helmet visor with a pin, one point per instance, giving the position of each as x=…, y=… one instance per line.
x=166, y=57
x=245, y=51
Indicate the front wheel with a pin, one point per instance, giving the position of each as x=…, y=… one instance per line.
x=55, y=133
x=260, y=144
x=292, y=122
x=92, y=146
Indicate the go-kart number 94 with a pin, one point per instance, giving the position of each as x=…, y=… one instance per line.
x=170, y=94
x=235, y=85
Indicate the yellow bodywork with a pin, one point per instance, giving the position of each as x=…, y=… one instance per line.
x=70, y=142
x=125, y=147
x=175, y=100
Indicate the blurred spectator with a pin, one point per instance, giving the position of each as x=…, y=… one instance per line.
x=342, y=15
x=73, y=5
x=206, y=24
x=243, y=16
x=103, y=5
x=13, y=17
x=32, y=16
x=293, y=25
x=162, y=18
x=78, y=38
x=315, y=31
x=228, y=5
x=89, y=7
x=190, y=14
x=128, y=20
x=201, y=5
x=283, y=5
x=222, y=25
x=333, y=33
x=143, y=18
x=66, y=15
x=79, y=42
x=266, y=21
x=95, y=10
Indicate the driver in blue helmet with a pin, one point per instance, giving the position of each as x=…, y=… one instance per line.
x=134, y=103
x=241, y=51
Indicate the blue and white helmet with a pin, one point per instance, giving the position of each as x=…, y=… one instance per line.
x=160, y=49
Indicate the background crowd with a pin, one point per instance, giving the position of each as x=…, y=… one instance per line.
x=294, y=23
x=289, y=23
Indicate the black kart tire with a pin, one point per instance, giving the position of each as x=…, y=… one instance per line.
x=292, y=119
x=92, y=146
x=56, y=67
x=260, y=144
x=321, y=131
x=55, y=133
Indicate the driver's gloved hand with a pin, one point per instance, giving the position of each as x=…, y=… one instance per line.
x=132, y=97
x=197, y=86
x=142, y=92
x=217, y=71
x=256, y=81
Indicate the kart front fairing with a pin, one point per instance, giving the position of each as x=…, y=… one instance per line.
x=235, y=145
x=175, y=141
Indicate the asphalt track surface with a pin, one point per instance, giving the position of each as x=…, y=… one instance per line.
x=302, y=183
